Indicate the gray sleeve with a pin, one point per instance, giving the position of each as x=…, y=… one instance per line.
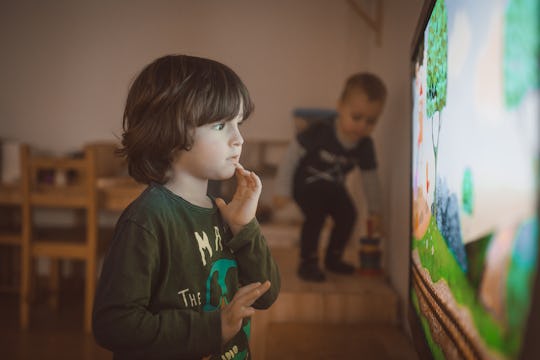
x=284, y=178
x=372, y=191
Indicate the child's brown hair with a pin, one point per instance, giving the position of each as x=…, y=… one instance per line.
x=166, y=102
x=369, y=83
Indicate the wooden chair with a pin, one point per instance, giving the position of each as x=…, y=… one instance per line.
x=96, y=181
x=116, y=189
x=11, y=230
x=66, y=183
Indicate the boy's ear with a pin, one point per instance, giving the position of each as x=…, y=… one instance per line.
x=339, y=106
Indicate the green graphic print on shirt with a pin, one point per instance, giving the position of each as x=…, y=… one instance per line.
x=219, y=291
x=221, y=268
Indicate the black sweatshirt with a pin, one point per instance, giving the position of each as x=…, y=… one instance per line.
x=170, y=267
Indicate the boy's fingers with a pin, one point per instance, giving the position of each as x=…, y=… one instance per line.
x=248, y=311
x=249, y=182
x=256, y=180
x=245, y=297
x=265, y=286
x=247, y=288
x=241, y=169
x=220, y=203
x=243, y=312
x=248, y=298
x=240, y=177
x=253, y=179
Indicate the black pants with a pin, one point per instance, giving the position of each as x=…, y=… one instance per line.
x=318, y=200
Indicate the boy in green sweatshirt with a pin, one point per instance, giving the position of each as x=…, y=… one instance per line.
x=184, y=271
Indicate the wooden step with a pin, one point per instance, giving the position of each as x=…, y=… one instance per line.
x=341, y=301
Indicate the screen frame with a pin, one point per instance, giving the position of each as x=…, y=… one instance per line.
x=531, y=346
x=415, y=325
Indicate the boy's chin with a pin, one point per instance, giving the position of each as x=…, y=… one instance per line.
x=223, y=176
x=356, y=137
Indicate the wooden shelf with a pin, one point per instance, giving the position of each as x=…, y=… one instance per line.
x=66, y=242
x=116, y=193
x=10, y=194
x=59, y=197
x=13, y=239
x=58, y=163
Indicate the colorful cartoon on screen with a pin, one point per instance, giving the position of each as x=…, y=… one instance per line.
x=475, y=176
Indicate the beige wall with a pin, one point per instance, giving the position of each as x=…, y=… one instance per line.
x=66, y=66
x=391, y=60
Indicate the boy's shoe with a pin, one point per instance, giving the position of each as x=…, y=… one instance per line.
x=338, y=266
x=309, y=271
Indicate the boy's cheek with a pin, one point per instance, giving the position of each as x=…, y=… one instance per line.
x=370, y=129
x=350, y=127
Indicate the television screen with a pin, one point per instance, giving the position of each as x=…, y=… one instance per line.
x=474, y=176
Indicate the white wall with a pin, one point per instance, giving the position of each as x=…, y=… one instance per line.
x=393, y=135
x=66, y=66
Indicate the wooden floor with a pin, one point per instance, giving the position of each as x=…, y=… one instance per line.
x=52, y=334
x=290, y=341
x=347, y=317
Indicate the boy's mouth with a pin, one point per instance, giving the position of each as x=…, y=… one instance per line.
x=235, y=159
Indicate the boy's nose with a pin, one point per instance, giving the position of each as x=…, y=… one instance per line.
x=237, y=138
x=361, y=127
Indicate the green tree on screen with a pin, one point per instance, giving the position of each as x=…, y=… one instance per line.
x=437, y=68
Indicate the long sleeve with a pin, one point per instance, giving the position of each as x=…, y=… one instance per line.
x=125, y=319
x=372, y=191
x=255, y=262
x=284, y=178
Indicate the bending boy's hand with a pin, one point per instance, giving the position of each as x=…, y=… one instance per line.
x=241, y=209
x=239, y=308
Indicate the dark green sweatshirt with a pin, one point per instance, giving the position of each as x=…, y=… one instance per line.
x=169, y=269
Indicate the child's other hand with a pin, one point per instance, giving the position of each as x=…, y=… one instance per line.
x=241, y=209
x=279, y=201
x=239, y=308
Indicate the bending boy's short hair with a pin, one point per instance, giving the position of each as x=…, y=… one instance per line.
x=166, y=102
x=370, y=83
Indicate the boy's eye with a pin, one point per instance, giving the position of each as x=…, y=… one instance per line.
x=371, y=121
x=218, y=126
